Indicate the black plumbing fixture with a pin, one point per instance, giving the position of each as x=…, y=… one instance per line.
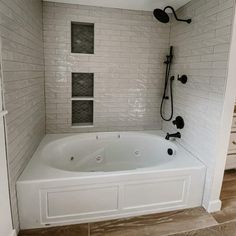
x=163, y=17
x=183, y=79
x=179, y=122
x=170, y=151
x=168, y=62
x=175, y=135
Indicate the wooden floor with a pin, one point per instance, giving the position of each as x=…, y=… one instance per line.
x=191, y=222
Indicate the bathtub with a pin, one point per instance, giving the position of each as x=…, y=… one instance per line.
x=91, y=177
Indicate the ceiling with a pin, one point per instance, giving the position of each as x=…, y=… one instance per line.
x=146, y=5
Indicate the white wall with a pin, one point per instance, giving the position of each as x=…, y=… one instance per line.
x=5, y=213
x=226, y=121
x=201, y=51
x=130, y=47
x=23, y=76
x=146, y=5
x=6, y=228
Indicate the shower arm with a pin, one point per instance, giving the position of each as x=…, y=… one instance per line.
x=176, y=17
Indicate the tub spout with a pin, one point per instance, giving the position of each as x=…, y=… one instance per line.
x=176, y=135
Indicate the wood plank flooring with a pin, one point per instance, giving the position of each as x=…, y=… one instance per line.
x=190, y=222
x=226, y=229
x=157, y=224
x=71, y=230
x=228, y=197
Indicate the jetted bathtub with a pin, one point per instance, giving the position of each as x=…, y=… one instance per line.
x=99, y=176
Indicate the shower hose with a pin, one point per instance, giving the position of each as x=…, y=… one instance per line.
x=165, y=97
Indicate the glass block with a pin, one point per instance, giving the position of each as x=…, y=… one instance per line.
x=82, y=112
x=82, y=38
x=82, y=84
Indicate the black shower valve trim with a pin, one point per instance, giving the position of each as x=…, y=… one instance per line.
x=183, y=79
x=179, y=122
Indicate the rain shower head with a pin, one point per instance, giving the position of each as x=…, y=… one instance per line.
x=163, y=17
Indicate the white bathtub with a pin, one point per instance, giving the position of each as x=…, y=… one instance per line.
x=99, y=176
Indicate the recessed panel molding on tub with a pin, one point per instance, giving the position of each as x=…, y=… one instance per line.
x=92, y=190
x=94, y=201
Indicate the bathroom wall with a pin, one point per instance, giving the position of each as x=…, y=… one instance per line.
x=23, y=75
x=128, y=68
x=201, y=51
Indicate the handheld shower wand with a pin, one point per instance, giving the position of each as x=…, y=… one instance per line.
x=168, y=62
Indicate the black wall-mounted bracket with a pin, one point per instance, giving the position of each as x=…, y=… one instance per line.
x=183, y=79
x=188, y=20
x=179, y=122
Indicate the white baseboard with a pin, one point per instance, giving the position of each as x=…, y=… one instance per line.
x=13, y=233
x=213, y=206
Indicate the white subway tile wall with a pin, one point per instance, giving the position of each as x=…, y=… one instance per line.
x=201, y=51
x=23, y=75
x=128, y=68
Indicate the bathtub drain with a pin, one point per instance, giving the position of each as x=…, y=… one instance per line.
x=170, y=151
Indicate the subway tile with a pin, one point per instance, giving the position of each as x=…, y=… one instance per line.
x=23, y=72
x=120, y=59
x=202, y=51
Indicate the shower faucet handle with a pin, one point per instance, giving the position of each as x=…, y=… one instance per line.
x=183, y=79
x=179, y=122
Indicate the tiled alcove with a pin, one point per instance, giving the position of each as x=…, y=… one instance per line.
x=82, y=38
x=82, y=41
x=82, y=99
x=82, y=84
x=82, y=112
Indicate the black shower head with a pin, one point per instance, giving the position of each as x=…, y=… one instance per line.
x=163, y=17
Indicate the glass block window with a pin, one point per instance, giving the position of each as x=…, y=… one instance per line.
x=82, y=38
x=82, y=112
x=82, y=84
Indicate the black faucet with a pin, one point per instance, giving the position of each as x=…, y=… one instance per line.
x=176, y=135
